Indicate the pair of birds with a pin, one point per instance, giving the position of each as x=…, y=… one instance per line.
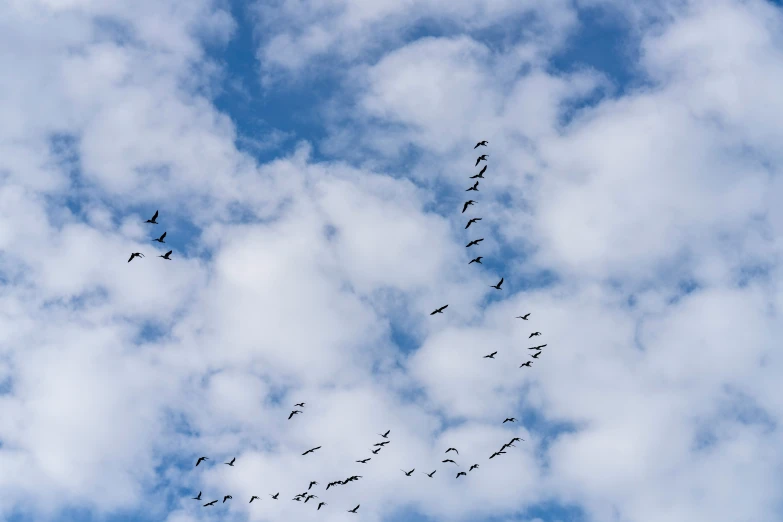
x=229, y=463
x=296, y=412
x=159, y=240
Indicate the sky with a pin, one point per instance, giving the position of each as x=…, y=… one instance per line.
x=309, y=161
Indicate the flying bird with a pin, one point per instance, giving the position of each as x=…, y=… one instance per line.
x=293, y=413
x=510, y=419
x=386, y=435
x=200, y=459
x=313, y=483
x=198, y=497
x=430, y=474
x=210, y=503
x=438, y=311
x=474, y=242
x=527, y=364
x=517, y=438
x=160, y=239
x=154, y=217
x=226, y=498
x=454, y=449
x=320, y=504
x=477, y=260
x=254, y=497
x=490, y=356
x=231, y=463
x=474, y=187
x=535, y=355
x=375, y=451
x=534, y=334
x=382, y=443
x=135, y=254
x=497, y=286
x=481, y=144
x=166, y=255
x=449, y=460
x=308, y=497
x=482, y=171
x=523, y=316
x=274, y=496
x=365, y=461
x=471, y=221
x=354, y=509
x=408, y=473
x=311, y=450
x=497, y=453
x=461, y=473
x=537, y=347
x=300, y=405
x=482, y=157
x=474, y=466
x=467, y=204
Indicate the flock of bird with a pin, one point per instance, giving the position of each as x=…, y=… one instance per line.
x=306, y=496
x=153, y=220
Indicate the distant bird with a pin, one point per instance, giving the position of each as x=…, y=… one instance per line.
x=166, y=255
x=160, y=239
x=364, y=461
x=497, y=453
x=295, y=412
x=231, y=463
x=497, y=286
x=534, y=334
x=517, y=439
x=274, y=496
x=226, y=498
x=135, y=254
x=438, y=311
x=474, y=466
x=254, y=497
x=481, y=144
x=386, y=435
x=482, y=157
x=308, y=497
x=382, y=443
x=154, y=217
x=490, y=356
x=535, y=355
x=527, y=364
x=430, y=474
x=297, y=498
x=329, y=485
x=523, y=316
x=474, y=242
x=210, y=503
x=311, y=450
x=198, y=497
x=467, y=204
x=477, y=260
x=375, y=451
x=480, y=175
x=471, y=221
x=510, y=419
x=537, y=347
x=354, y=509
x=474, y=187
x=200, y=459
x=354, y=477
x=461, y=473
x=454, y=449
x=449, y=460
x=300, y=405
x=320, y=504
x=313, y=483
x=408, y=473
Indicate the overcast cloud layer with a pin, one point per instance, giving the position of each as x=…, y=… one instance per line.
x=639, y=221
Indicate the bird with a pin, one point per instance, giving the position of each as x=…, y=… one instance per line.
x=313, y=483
x=477, y=260
x=471, y=221
x=226, y=498
x=210, y=503
x=311, y=450
x=231, y=463
x=497, y=286
x=474, y=466
x=449, y=460
x=300, y=405
x=364, y=461
x=481, y=144
x=474, y=187
x=534, y=334
x=482, y=157
x=461, y=473
x=523, y=316
x=200, y=459
x=320, y=504
x=527, y=364
x=438, y=311
x=274, y=496
x=308, y=497
x=135, y=254
x=537, y=347
x=386, y=435
x=408, y=473
x=430, y=474
x=166, y=255
x=154, y=217
x=517, y=438
x=467, y=204
x=197, y=497
x=490, y=356
x=509, y=419
x=454, y=449
x=293, y=413
x=254, y=497
x=382, y=443
x=375, y=451
x=354, y=509
x=329, y=485
x=474, y=242
x=160, y=239
x=535, y=355
x=497, y=453
x=480, y=175
x=507, y=445
x=297, y=498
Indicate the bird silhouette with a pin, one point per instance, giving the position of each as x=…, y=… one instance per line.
x=166, y=255
x=226, y=498
x=474, y=242
x=535, y=355
x=160, y=239
x=364, y=461
x=454, y=449
x=200, y=459
x=301, y=405
x=482, y=157
x=507, y=445
x=295, y=412
x=481, y=172
x=135, y=254
x=154, y=217
x=375, y=451
x=198, y=497
x=537, y=347
x=386, y=435
x=308, y=497
x=477, y=260
x=467, y=204
x=254, y=497
x=497, y=286
x=382, y=443
x=311, y=450
x=510, y=419
x=481, y=144
x=534, y=334
x=490, y=356
x=474, y=466
x=313, y=483
x=210, y=503
x=497, y=453
x=354, y=509
x=408, y=473
x=523, y=316
x=274, y=496
x=527, y=364
x=449, y=460
x=430, y=474
x=438, y=311
x=319, y=505
x=461, y=473
x=231, y=463
x=517, y=439
x=474, y=187
x=471, y=221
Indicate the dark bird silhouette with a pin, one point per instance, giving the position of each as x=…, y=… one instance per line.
x=482, y=157
x=311, y=450
x=382, y=443
x=210, y=503
x=386, y=435
x=160, y=239
x=320, y=504
x=200, y=459
x=497, y=453
x=375, y=451
x=231, y=463
x=516, y=439
x=523, y=316
x=354, y=509
x=254, y=497
x=313, y=483
x=497, y=286
x=507, y=445
x=295, y=412
x=474, y=187
x=474, y=242
x=274, y=496
x=226, y=498
x=154, y=217
x=408, y=473
x=166, y=255
x=477, y=260
x=471, y=221
x=535, y=355
x=527, y=364
x=467, y=204
x=297, y=498
x=449, y=460
x=534, y=334
x=537, y=347
x=438, y=311
x=481, y=144
x=481, y=172
x=300, y=405
x=461, y=473
x=364, y=461
x=354, y=477
x=490, y=356
x=454, y=449
x=474, y=466
x=308, y=497
x=510, y=419
x=430, y=474
x=198, y=497
x=135, y=254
